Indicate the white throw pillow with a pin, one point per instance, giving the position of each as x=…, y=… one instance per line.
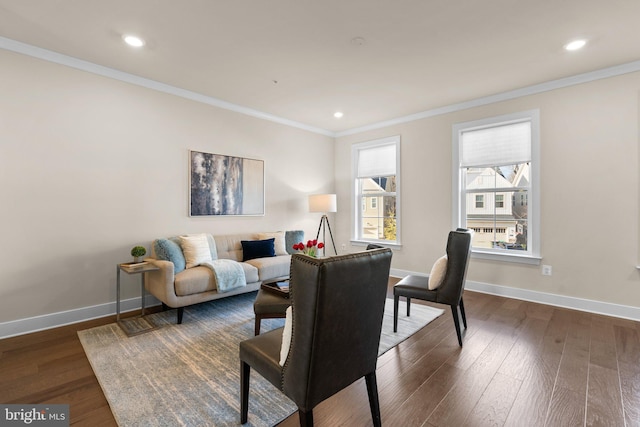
x=286, y=336
x=436, y=277
x=195, y=249
x=278, y=244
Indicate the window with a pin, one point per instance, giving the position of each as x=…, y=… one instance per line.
x=376, y=181
x=495, y=161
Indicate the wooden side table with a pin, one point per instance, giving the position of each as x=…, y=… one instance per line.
x=139, y=324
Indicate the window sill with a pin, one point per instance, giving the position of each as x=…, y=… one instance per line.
x=515, y=258
x=386, y=245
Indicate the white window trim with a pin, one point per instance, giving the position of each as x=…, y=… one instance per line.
x=532, y=257
x=356, y=216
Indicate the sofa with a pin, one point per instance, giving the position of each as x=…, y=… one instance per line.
x=193, y=268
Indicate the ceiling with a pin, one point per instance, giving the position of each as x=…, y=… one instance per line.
x=298, y=60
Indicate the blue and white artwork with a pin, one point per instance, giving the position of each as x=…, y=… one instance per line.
x=225, y=185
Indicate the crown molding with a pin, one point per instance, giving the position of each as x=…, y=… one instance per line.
x=90, y=67
x=58, y=58
x=603, y=73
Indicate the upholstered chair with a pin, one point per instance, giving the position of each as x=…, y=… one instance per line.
x=337, y=306
x=451, y=285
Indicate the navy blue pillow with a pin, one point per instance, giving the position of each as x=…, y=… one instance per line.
x=257, y=249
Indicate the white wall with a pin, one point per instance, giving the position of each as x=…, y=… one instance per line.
x=90, y=167
x=589, y=191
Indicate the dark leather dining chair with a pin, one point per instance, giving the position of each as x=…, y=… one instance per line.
x=337, y=310
x=450, y=291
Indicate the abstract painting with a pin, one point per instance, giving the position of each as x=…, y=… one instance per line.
x=225, y=185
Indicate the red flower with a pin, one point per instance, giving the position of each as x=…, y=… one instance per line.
x=311, y=248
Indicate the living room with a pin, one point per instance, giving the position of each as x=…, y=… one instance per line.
x=95, y=161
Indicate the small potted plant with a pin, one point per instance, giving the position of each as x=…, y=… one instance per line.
x=137, y=252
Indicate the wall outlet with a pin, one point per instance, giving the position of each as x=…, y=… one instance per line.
x=546, y=270
x=343, y=247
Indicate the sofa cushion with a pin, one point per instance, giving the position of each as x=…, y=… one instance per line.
x=229, y=247
x=278, y=243
x=195, y=249
x=194, y=281
x=257, y=249
x=169, y=250
x=291, y=237
x=250, y=272
x=271, y=267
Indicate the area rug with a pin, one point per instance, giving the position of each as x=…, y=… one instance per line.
x=189, y=374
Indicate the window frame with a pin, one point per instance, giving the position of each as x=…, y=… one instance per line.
x=532, y=254
x=357, y=196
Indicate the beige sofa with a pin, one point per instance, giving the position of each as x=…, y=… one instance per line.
x=177, y=288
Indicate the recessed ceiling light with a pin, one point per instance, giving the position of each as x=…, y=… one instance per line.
x=338, y=114
x=575, y=45
x=133, y=40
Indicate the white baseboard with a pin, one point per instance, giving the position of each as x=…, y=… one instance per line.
x=54, y=320
x=581, y=304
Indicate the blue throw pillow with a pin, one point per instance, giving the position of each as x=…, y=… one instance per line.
x=168, y=250
x=291, y=237
x=257, y=249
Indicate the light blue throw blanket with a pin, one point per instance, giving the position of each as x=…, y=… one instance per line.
x=228, y=274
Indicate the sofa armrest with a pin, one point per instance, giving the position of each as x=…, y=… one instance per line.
x=160, y=283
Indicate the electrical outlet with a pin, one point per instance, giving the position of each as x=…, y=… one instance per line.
x=343, y=247
x=546, y=270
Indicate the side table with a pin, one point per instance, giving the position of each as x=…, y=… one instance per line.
x=138, y=324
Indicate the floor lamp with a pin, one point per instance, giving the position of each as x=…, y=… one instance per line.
x=324, y=203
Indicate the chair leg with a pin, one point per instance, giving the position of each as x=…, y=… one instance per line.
x=408, y=306
x=180, y=313
x=306, y=418
x=245, y=371
x=396, y=300
x=257, y=325
x=464, y=317
x=456, y=321
x=374, y=403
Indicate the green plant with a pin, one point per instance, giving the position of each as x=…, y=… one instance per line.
x=138, y=251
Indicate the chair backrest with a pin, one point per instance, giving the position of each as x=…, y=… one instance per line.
x=458, y=253
x=338, y=306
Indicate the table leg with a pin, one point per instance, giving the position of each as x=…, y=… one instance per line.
x=117, y=293
x=142, y=294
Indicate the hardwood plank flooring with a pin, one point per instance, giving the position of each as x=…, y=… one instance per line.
x=522, y=364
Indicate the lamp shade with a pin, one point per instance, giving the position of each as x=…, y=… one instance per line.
x=323, y=203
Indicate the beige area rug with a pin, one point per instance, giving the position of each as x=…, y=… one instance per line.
x=189, y=374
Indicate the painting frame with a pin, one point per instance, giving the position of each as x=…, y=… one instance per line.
x=224, y=185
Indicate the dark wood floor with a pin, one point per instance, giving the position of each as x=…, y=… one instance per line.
x=522, y=364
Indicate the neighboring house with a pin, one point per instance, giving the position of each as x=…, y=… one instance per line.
x=375, y=209
x=499, y=219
